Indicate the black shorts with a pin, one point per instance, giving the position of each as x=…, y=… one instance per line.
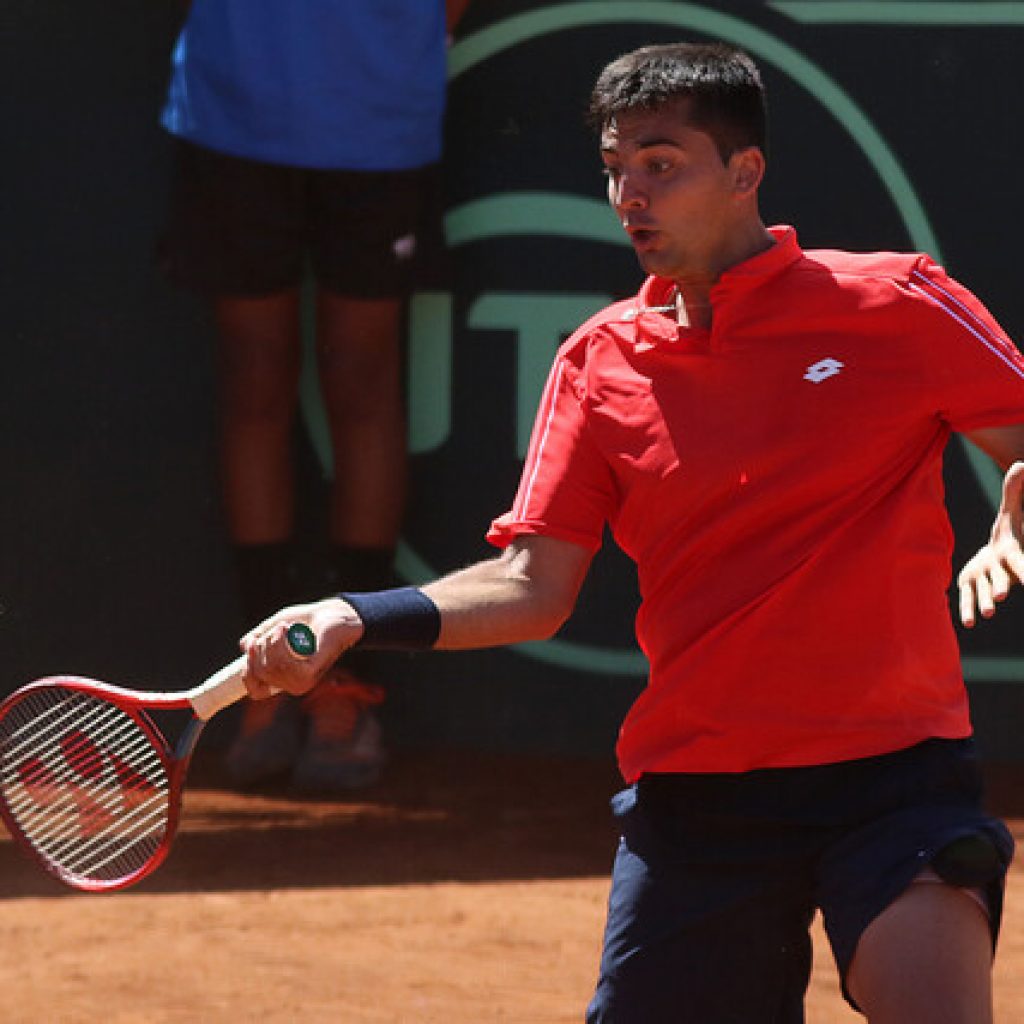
x=718, y=877
x=241, y=227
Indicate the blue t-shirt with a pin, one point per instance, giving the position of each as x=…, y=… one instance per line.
x=346, y=84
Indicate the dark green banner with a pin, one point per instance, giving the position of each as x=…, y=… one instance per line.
x=893, y=126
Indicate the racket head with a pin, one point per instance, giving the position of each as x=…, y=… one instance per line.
x=89, y=787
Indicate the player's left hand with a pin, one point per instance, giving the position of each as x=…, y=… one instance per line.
x=988, y=577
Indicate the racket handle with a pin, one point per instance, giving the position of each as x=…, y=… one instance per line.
x=225, y=687
x=220, y=691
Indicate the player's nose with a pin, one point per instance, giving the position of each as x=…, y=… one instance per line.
x=626, y=194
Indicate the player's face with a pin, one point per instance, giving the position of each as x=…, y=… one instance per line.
x=680, y=204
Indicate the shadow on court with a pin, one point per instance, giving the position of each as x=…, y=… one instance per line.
x=463, y=889
x=433, y=818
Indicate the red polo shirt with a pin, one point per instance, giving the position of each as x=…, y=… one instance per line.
x=778, y=482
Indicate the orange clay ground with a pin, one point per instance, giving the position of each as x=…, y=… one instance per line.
x=463, y=889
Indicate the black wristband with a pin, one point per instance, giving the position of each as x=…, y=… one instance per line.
x=404, y=619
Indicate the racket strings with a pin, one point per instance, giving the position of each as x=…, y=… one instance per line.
x=83, y=783
x=71, y=807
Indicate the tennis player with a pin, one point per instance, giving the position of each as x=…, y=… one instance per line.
x=762, y=428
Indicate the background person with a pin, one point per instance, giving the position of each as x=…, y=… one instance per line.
x=308, y=132
x=762, y=428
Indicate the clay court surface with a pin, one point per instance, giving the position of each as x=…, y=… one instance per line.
x=463, y=889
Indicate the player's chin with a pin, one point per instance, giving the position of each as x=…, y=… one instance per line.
x=655, y=261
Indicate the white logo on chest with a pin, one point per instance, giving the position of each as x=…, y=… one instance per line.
x=822, y=370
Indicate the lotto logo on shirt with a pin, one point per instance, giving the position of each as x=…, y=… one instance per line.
x=822, y=370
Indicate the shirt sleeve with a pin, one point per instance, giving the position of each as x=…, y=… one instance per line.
x=567, y=490
x=978, y=371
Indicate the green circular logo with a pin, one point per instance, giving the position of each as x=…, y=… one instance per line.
x=301, y=639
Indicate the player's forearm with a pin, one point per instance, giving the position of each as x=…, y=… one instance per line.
x=492, y=604
x=525, y=593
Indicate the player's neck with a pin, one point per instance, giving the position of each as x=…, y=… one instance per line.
x=693, y=292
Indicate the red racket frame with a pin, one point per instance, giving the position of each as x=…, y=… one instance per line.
x=135, y=704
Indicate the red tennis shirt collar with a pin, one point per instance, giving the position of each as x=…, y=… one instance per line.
x=653, y=310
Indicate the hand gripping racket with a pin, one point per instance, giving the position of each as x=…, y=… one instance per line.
x=89, y=786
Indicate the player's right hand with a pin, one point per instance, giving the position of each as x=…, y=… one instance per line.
x=273, y=665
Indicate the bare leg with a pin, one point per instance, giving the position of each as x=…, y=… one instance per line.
x=359, y=362
x=260, y=355
x=927, y=958
x=358, y=349
x=259, y=360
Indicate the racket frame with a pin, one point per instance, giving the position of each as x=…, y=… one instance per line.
x=220, y=690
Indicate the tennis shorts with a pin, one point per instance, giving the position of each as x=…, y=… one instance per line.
x=717, y=877
x=242, y=227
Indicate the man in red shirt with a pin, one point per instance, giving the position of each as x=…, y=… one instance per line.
x=762, y=429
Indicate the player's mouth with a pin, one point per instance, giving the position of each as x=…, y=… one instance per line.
x=643, y=238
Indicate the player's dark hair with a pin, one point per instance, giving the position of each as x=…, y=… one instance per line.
x=722, y=84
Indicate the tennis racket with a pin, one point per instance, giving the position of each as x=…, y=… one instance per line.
x=89, y=786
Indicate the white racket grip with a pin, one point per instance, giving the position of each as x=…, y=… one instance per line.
x=220, y=691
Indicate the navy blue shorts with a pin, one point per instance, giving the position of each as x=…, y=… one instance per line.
x=717, y=877
x=242, y=227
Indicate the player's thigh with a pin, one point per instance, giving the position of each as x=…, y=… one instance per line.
x=927, y=956
x=704, y=942
x=928, y=817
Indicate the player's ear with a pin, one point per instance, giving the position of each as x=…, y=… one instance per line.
x=747, y=166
